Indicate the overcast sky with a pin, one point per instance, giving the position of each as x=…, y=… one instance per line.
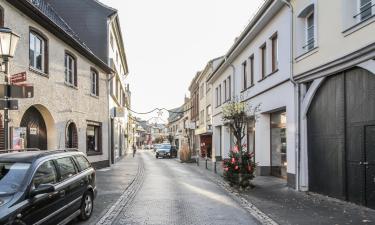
x=168, y=41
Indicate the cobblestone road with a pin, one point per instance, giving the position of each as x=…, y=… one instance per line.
x=167, y=192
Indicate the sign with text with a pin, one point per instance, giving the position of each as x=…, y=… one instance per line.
x=16, y=91
x=18, y=78
x=18, y=137
x=11, y=104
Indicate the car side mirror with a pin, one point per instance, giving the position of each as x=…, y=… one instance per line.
x=42, y=189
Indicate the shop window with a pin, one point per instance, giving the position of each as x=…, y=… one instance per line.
x=70, y=70
x=93, y=139
x=278, y=144
x=38, y=52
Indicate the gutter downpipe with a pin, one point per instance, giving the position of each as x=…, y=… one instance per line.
x=296, y=96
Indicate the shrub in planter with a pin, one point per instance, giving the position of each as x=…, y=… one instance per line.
x=239, y=169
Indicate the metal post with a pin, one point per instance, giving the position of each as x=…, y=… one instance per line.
x=215, y=167
x=6, y=112
x=206, y=164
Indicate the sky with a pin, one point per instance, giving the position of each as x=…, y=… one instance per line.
x=168, y=41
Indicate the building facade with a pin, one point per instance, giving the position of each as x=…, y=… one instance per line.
x=70, y=84
x=256, y=70
x=334, y=51
x=101, y=24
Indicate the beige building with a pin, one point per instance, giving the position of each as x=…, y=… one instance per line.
x=68, y=109
x=333, y=63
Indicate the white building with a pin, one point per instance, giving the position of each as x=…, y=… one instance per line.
x=257, y=71
x=334, y=52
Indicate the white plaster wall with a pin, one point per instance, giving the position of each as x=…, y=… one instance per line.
x=57, y=102
x=333, y=18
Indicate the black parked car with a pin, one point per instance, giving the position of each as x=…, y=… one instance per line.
x=45, y=187
x=166, y=150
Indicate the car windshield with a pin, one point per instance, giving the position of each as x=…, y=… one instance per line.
x=11, y=176
x=165, y=147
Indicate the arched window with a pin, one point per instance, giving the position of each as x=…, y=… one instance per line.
x=71, y=137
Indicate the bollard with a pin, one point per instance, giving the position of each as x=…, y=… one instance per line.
x=206, y=164
x=215, y=167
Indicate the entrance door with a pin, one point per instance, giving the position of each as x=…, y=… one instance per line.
x=71, y=136
x=278, y=144
x=341, y=138
x=369, y=165
x=36, y=129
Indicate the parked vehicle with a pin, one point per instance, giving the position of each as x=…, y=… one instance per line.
x=166, y=150
x=156, y=146
x=45, y=187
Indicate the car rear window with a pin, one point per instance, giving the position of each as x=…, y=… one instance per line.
x=83, y=162
x=66, y=167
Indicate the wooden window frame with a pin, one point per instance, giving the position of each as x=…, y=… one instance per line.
x=275, y=52
x=244, y=75
x=45, y=54
x=74, y=83
x=92, y=72
x=263, y=56
x=251, y=64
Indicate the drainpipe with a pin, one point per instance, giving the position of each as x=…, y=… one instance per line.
x=297, y=94
x=109, y=120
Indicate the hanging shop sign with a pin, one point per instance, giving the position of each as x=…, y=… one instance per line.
x=16, y=91
x=11, y=104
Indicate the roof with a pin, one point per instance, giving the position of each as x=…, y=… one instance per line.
x=47, y=10
x=27, y=157
x=42, y=13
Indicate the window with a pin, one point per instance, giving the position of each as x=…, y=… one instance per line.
x=225, y=90
x=275, y=52
x=310, y=36
x=263, y=53
x=217, y=96
x=220, y=94
x=209, y=112
x=70, y=70
x=251, y=70
x=201, y=90
x=83, y=163
x=365, y=9
x=93, y=139
x=244, y=76
x=229, y=89
x=46, y=174
x=1, y=17
x=38, y=52
x=94, y=83
x=66, y=168
x=201, y=117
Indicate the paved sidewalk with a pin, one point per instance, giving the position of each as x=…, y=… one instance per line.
x=287, y=206
x=111, y=183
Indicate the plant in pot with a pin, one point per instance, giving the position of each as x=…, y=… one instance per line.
x=239, y=167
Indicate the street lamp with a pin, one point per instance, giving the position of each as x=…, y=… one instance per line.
x=8, y=44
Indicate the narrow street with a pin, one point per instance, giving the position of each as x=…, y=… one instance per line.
x=167, y=192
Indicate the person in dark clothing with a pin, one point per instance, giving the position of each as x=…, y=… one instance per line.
x=134, y=150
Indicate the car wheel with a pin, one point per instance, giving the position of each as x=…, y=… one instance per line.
x=87, y=206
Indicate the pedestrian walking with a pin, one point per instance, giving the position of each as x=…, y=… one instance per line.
x=134, y=150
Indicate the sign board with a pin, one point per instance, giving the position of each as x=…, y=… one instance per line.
x=119, y=112
x=18, y=137
x=33, y=131
x=16, y=91
x=18, y=78
x=11, y=104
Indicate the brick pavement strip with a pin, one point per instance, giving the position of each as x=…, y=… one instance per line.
x=125, y=198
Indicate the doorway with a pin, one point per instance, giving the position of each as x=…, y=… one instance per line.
x=278, y=144
x=36, y=129
x=71, y=136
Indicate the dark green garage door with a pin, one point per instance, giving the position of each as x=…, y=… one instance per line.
x=341, y=138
